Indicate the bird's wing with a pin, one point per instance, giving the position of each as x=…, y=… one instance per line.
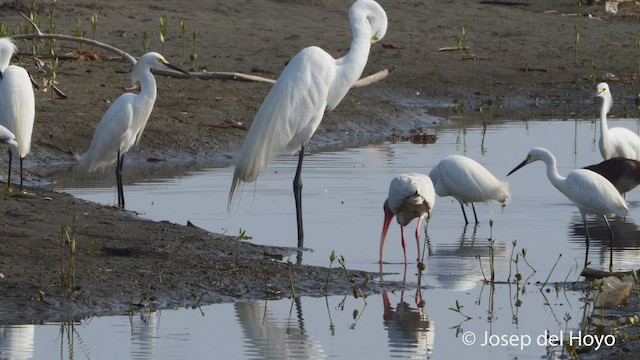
x=289, y=115
x=459, y=179
x=111, y=134
x=438, y=183
x=17, y=106
x=593, y=193
x=405, y=186
x=7, y=136
x=469, y=181
x=627, y=144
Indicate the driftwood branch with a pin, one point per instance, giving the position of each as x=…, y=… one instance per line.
x=590, y=273
x=366, y=81
x=381, y=75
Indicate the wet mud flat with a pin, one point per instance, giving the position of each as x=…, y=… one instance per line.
x=124, y=263
x=524, y=63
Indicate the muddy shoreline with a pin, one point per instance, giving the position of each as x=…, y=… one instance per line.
x=525, y=67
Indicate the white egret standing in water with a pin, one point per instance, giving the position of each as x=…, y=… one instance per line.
x=468, y=182
x=122, y=125
x=617, y=141
x=313, y=82
x=588, y=190
x=17, y=103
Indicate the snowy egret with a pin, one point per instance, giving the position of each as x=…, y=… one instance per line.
x=313, y=82
x=410, y=196
x=468, y=182
x=17, y=103
x=617, y=141
x=122, y=124
x=623, y=173
x=588, y=190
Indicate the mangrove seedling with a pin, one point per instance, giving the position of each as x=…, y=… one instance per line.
x=524, y=256
x=492, y=260
x=145, y=41
x=458, y=309
x=576, y=39
x=513, y=248
x=332, y=258
x=4, y=30
x=183, y=32
x=67, y=242
x=33, y=16
x=78, y=32
x=164, y=23
x=357, y=292
x=94, y=25
x=638, y=55
x=194, y=55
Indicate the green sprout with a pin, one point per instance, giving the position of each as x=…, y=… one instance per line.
x=164, y=23
x=94, y=25
x=145, y=41
x=194, y=55
x=183, y=32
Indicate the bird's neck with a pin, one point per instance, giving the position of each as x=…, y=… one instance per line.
x=4, y=64
x=604, y=127
x=351, y=66
x=148, y=87
x=604, y=110
x=552, y=172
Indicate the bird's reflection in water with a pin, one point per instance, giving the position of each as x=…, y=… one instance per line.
x=626, y=242
x=409, y=328
x=17, y=341
x=455, y=266
x=269, y=338
x=144, y=334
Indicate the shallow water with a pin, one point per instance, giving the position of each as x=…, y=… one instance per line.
x=342, y=198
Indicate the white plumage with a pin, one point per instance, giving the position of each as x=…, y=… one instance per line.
x=616, y=141
x=123, y=123
x=7, y=136
x=588, y=190
x=410, y=196
x=313, y=82
x=468, y=182
x=17, y=102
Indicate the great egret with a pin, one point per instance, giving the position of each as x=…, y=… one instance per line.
x=623, y=173
x=313, y=82
x=17, y=103
x=588, y=190
x=410, y=196
x=122, y=125
x=468, y=182
x=617, y=141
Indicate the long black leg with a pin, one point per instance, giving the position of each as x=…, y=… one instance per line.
x=586, y=231
x=611, y=244
x=466, y=222
x=20, y=173
x=297, y=193
x=474, y=213
x=9, y=172
x=119, y=163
